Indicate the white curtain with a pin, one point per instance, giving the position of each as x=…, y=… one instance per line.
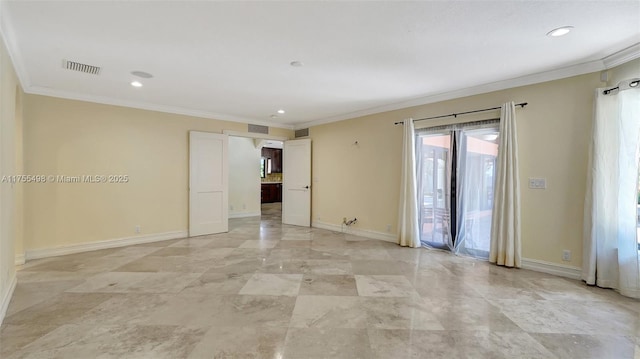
x=505, y=246
x=408, y=214
x=610, y=241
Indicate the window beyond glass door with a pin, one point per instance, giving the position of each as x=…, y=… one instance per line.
x=433, y=182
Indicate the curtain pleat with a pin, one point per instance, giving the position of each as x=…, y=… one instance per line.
x=505, y=247
x=408, y=232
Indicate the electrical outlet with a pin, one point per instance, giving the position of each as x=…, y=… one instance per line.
x=244, y=206
x=566, y=255
x=388, y=228
x=137, y=228
x=231, y=207
x=344, y=220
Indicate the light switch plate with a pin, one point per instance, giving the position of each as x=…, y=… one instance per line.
x=537, y=183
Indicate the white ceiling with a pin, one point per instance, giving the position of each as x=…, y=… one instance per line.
x=230, y=60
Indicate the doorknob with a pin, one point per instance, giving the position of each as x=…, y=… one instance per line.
x=306, y=187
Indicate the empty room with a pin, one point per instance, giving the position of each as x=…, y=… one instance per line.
x=345, y=179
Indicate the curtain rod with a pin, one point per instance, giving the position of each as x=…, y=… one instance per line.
x=631, y=84
x=522, y=104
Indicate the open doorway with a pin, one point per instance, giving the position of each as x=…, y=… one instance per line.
x=250, y=171
x=271, y=180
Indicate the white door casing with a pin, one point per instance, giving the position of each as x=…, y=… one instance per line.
x=208, y=183
x=296, y=191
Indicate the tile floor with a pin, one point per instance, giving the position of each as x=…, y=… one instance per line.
x=265, y=290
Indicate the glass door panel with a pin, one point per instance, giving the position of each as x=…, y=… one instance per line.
x=433, y=188
x=476, y=172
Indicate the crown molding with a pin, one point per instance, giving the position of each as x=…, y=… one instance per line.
x=37, y=90
x=630, y=53
x=556, y=74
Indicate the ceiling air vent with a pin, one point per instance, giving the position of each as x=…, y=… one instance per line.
x=76, y=66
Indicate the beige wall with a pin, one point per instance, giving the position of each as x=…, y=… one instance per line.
x=9, y=160
x=363, y=180
x=624, y=72
x=74, y=138
x=244, y=177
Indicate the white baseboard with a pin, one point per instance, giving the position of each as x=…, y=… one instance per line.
x=244, y=214
x=110, y=243
x=387, y=237
x=19, y=259
x=4, y=304
x=552, y=268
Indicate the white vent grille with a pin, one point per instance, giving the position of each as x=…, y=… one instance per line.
x=76, y=66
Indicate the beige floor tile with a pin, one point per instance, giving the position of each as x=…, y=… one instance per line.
x=384, y=286
x=569, y=346
x=400, y=313
x=272, y=284
x=87, y=341
x=247, y=342
x=329, y=312
x=202, y=310
x=327, y=343
x=313, y=284
x=472, y=314
x=404, y=343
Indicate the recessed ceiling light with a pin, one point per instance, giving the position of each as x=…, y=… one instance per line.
x=274, y=116
x=281, y=111
x=136, y=84
x=560, y=31
x=144, y=75
x=296, y=63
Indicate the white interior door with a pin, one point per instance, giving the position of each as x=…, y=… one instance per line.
x=208, y=183
x=296, y=182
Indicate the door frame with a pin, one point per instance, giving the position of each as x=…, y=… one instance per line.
x=257, y=137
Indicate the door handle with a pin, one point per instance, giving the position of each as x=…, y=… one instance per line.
x=306, y=187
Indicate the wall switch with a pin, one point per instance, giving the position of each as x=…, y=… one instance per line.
x=138, y=229
x=566, y=255
x=537, y=183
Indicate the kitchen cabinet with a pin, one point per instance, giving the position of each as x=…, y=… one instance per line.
x=271, y=192
x=275, y=154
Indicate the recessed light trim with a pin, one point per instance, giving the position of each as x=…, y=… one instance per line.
x=136, y=83
x=561, y=31
x=296, y=63
x=142, y=74
x=280, y=111
x=274, y=116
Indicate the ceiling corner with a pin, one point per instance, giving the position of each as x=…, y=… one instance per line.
x=9, y=39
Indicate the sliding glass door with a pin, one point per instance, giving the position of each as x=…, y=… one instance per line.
x=456, y=177
x=433, y=156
